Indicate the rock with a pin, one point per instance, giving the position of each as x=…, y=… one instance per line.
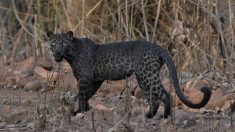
x=228, y=102
x=138, y=93
x=33, y=85
x=216, y=99
x=21, y=83
x=170, y=88
x=192, y=90
x=195, y=96
x=17, y=72
x=116, y=86
x=111, y=88
x=229, y=106
x=230, y=96
x=10, y=81
x=44, y=75
x=101, y=107
x=26, y=65
x=26, y=102
x=103, y=92
x=45, y=62
x=197, y=84
x=68, y=81
x=104, y=89
x=175, y=99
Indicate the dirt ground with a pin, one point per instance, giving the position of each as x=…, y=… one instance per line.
x=20, y=111
x=33, y=98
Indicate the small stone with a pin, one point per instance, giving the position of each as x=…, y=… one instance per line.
x=33, y=85
x=80, y=115
x=10, y=81
x=15, y=87
x=26, y=102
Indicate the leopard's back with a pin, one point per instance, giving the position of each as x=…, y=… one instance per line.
x=116, y=61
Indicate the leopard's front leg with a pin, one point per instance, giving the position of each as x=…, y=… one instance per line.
x=86, y=90
x=84, y=94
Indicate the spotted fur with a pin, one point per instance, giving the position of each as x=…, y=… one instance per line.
x=92, y=64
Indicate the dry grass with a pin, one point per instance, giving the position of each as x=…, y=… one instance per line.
x=199, y=32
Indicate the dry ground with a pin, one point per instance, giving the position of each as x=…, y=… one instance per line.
x=19, y=113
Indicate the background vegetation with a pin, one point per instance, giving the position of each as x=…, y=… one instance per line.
x=199, y=34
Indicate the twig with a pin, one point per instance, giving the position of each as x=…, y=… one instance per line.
x=231, y=17
x=128, y=105
x=222, y=41
x=67, y=16
x=49, y=80
x=88, y=14
x=21, y=23
x=21, y=13
x=142, y=113
x=20, y=32
x=145, y=20
x=93, y=121
x=119, y=27
x=156, y=19
x=127, y=22
x=2, y=48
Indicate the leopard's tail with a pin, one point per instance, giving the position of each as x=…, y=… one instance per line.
x=207, y=92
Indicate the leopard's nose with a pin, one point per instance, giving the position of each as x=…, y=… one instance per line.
x=58, y=52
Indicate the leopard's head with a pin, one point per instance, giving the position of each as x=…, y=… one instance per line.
x=60, y=44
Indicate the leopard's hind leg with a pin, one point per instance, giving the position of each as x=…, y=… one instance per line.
x=154, y=92
x=164, y=96
x=148, y=90
x=148, y=77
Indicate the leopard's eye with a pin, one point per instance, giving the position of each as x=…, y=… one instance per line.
x=52, y=44
x=64, y=44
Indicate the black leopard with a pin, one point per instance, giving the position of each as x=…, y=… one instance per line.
x=92, y=64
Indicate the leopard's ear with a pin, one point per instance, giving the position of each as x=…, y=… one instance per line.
x=69, y=34
x=49, y=33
